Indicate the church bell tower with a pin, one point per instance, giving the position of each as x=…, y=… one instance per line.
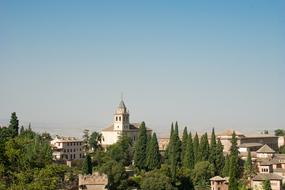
x=121, y=118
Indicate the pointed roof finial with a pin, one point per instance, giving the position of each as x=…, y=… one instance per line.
x=122, y=96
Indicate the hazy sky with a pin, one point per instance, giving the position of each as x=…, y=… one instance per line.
x=64, y=64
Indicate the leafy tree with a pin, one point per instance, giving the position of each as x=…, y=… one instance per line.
x=220, y=158
x=87, y=165
x=156, y=180
x=188, y=160
x=183, y=179
x=279, y=132
x=196, y=148
x=204, y=148
x=22, y=129
x=121, y=151
x=266, y=185
x=202, y=172
x=184, y=143
x=234, y=170
x=14, y=124
x=117, y=176
x=153, y=156
x=282, y=149
x=46, y=136
x=140, y=148
x=85, y=141
x=95, y=141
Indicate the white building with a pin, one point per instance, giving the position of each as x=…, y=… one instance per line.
x=121, y=125
x=67, y=148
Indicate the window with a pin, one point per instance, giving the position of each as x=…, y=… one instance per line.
x=120, y=118
x=116, y=118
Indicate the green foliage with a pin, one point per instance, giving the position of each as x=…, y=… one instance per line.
x=87, y=165
x=266, y=185
x=86, y=141
x=95, y=141
x=117, y=176
x=282, y=149
x=226, y=168
x=196, y=148
x=202, y=172
x=184, y=143
x=153, y=159
x=188, y=160
x=213, y=150
x=175, y=152
x=279, y=132
x=248, y=168
x=14, y=124
x=156, y=180
x=220, y=158
x=140, y=148
x=204, y=148
x=234, y=168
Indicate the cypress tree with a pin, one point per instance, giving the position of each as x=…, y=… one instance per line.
x=233, y=172
x=175, y=151
x=153, y=155
x=166, y=153
x=140, y=148
x=184, y=143
x=188, y=160
x=196, y=148
x=226, y=167
x=14, y=125
x=248, y=169
x=22, y=129
x=220, y=158
x=213, y=150
x=204, y=148
x=87, y=165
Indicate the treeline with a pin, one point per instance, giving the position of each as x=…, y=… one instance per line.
x=26, y=160
x=188, y=162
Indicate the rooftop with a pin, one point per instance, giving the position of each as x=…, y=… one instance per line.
x=265, y=149
x=266, y=176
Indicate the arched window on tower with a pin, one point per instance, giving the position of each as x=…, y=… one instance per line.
x=120, y=118
x=116, y=118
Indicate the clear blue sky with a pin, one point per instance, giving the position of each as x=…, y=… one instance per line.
x=64, y=64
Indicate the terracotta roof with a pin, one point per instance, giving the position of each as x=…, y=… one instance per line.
x=266, y=176
x=229, y=132
x=218, y=178
x=265, y=149
x=248, y=145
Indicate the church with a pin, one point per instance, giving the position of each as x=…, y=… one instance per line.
x=121, y=125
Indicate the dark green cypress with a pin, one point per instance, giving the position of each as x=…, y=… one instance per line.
x=188, y=160
x=140, y=147
x=226, y=168
x=213, y=150
x=204, y=148
x=175, y=152
x=153, y=156
x=166, y=153
x=266, y=185
x=220, y=158
x=248, y=169
x=184, y=143
x=196, y=148
x=22, y=129
x=233, y=172
x=14, y=124
x=87, y=165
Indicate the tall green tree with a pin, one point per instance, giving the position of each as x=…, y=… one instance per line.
x=279, y=132
x=184, y=143
x=87, y=165
x=266, y=185
x=204, y=148
x=202, y=172
x=153, y=160
x=213, y=150
x=188, y=160
x=166, y=153
x=86, y=141
x=14, y=124
x=234, y=168
x=220, y=158
x=196, y=148
x=175, y=152
x=95, y=141
x=248, y=168
x=226, y=168
x=140, y=148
